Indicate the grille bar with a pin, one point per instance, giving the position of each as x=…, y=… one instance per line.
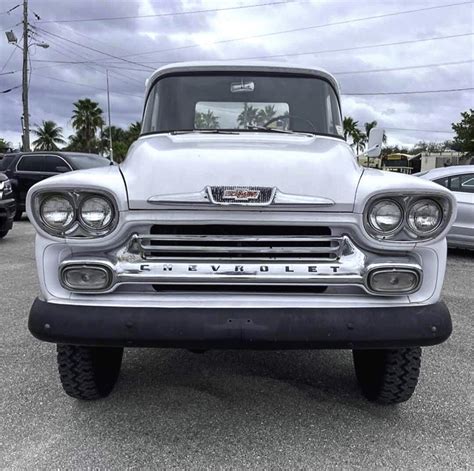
x=227, y=249
x=197, y=246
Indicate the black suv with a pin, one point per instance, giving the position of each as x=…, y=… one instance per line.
x=7, y=205
x=24, y=169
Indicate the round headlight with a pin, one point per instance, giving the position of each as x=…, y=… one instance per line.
x=424, y=216
x=96, y=212
x=385, y=216
x=57, y=212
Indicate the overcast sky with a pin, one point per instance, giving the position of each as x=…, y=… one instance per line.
x=147, y=43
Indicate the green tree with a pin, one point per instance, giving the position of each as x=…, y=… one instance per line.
x=86, y=120
x=4, y=145
x=464, y=130
x=350, y=127
x=248, y=116
x=134, y=131
x=206, y=120
x=266, y=114
x=358, y=140
x=49, y=136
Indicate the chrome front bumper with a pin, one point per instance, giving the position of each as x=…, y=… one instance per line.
x=270, y=261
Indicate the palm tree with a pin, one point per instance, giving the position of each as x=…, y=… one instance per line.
x=86, y=120
x=266, y=114
x=49, y=135
x=134, y=131
x=358, y=139
x=206, y=120
x=349, y=126
x=248, y=117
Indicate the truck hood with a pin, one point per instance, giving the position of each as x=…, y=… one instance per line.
x=313, y=171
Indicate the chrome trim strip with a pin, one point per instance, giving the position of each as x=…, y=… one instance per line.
x=205, y=197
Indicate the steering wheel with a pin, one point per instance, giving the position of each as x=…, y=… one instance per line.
x=288, y=117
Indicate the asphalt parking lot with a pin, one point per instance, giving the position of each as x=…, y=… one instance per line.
x=176, y=409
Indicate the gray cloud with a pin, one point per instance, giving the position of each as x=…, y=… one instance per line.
x=52, y=98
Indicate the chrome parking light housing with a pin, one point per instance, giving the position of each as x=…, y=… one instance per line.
x=394, y=279
x=86, y=277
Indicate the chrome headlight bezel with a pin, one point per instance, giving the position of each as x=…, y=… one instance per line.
x=414, y=229
x=404, y=232
x=77, y=229
x=82, y=220
x=378, y=230
x=47, y=224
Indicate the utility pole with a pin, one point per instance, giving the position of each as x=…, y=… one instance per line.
x=26, y=116
x=111, y=150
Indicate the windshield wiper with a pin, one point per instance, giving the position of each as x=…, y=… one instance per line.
x=204, y=131
x=252, y=127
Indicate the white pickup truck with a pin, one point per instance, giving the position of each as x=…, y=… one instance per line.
x=241, y=219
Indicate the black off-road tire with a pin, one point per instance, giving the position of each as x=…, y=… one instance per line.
x=4, y=233
x=18, y=215
x=388, y=376
x=88, y=373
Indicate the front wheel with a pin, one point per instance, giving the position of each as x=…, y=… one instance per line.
x=388, y=376
x=88, y=373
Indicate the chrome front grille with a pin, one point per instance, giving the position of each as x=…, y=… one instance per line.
x=234, y=243
x=212, y=257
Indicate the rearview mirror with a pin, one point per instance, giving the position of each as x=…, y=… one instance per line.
x=375, y=142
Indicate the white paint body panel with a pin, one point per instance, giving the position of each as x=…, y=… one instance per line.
x=298, y=165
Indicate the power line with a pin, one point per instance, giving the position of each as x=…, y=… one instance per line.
x=10, y=89
x=369, y=46
x=448, y=90
x=323, y=51
x=346, y=72
x=306, y=28
x=418, y=130
x=8, y=60
x=88, y=86
x=91, y=48
x=162, y=15
x=60, y=47
x=408, y=67
x=7, y=12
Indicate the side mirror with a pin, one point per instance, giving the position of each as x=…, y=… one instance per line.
x=375, y=142
x=62, y=169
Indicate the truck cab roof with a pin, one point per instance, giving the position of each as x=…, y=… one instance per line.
x=239, y=66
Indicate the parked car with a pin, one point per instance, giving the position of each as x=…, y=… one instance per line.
x=460, y=180
x=24, y=169
x=241, y=219
x=7, y=205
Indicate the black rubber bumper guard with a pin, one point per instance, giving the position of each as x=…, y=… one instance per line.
x=258, y=328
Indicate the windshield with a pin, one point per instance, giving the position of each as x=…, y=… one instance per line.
x=83, y=161
x=242, y=103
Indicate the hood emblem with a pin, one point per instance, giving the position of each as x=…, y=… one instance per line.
x=248, y=195
x=241, y=195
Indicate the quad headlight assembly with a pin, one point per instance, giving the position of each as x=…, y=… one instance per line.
x=75, y=214
x=409, y=218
